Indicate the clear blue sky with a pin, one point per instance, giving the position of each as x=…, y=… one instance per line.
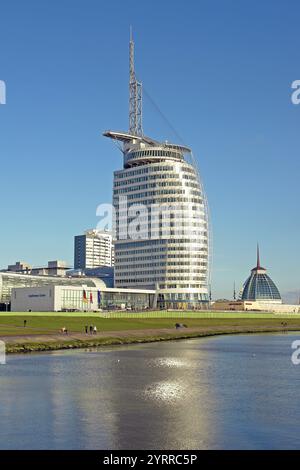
x=221, y=72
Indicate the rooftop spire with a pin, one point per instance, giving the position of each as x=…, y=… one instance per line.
x=135, y=95
x=258, y=266
x=258, y=260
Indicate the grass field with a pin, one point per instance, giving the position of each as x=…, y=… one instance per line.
x=151, y=314
x=42, y=331
x=51, y=323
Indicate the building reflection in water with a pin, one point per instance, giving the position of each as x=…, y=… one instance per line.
x=146, y=396
x=208, y=393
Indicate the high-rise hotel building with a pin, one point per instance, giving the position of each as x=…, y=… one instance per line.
x=162, y=232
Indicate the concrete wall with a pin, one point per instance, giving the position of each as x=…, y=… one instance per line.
x=36, y=299
x=228, y=305
x=255, y=305
x=272, y=307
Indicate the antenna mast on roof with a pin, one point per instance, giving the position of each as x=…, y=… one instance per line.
x=258, y=260
x=135, y=95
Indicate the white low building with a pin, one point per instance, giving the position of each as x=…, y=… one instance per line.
x=254, y=306
x=272, y=307
x=56, y=298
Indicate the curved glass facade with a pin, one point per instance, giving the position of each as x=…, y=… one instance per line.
x=170, y=252
x=259, y=286
x=161, y=223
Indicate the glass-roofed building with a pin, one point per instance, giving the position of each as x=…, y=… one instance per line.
x=9, y=281
x=24, y=292
x=259, y=286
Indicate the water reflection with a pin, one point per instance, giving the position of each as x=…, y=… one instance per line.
x=170, y=362
x=226, y=392
x=170, y=392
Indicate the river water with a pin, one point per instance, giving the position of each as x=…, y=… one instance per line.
x=226, y=392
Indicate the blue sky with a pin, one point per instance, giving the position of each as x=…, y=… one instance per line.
x=221, y=71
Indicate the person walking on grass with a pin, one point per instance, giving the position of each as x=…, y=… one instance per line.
x=95, y=330
x=25, y=323
x=86, y=329
x=91, y=329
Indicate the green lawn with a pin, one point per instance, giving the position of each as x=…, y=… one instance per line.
x=38, y=323
x=147, y=314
